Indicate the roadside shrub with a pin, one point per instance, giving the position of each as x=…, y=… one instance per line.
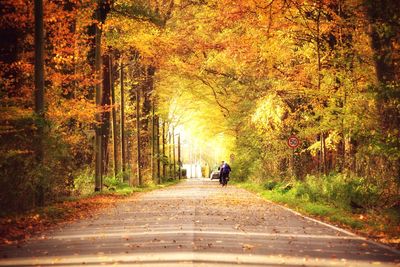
x=310, y=189
x=17, y=188
x=184, y=173
x=339, y=189
x=270, y=185
x=84, y=182
x=117, y=185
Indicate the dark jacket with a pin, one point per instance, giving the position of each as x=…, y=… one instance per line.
x=226, y=169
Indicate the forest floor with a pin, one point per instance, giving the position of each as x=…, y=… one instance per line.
x=196, y=223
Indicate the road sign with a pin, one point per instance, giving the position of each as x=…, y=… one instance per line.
x=293, y=142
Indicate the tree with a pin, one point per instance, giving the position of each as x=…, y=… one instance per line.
x=39, y=93
x=102, y=9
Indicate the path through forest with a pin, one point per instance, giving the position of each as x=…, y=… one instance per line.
x=198, y=223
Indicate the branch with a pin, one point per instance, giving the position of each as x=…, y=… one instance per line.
x=230, y=76
x=215, y=95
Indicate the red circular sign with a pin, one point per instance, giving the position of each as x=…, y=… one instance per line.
x=293, y=142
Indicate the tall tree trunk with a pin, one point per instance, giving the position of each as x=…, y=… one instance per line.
x=163, y=150
x=319, y=79
x=158, y=149
x=39, y=94
x=99, y=93
x=106, y=102
x=324, y=162
x=169, y=152
x=153, y=141
x=385, y=41
x=138, y=136
x=122, y=124
x=114, y=119
x=103, y=7
x=173, y=153
x=179, y=157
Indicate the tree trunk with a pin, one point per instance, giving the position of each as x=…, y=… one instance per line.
x=114, y=119
x=99, y=93
x=139, y=174
x=158, y=149
x=100, y=16
x=324, y=162
x=153, y=141
x=106, y=118
x=39, y=95
x=163, y=150
x=385, y=36
x=319, y=78
x=179, y=157
x=173, y=153
x=169, y=153
x=122, y=124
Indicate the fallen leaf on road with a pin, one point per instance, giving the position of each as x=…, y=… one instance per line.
x=247, y=247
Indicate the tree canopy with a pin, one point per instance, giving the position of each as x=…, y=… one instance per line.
x=234, y=79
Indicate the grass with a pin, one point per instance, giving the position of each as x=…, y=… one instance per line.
x=382, y=225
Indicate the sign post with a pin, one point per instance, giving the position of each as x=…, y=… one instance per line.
x=293, y=142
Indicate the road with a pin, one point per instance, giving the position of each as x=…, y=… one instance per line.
x=198, y=223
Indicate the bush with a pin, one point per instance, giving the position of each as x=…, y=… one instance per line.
x=340, y=190
x=270, y=185
x=84, y=182
x=184, y=173
x=17, y=187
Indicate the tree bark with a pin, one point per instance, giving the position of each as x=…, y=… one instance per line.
x=114, y=118
x=179, y=157
x=98, y=99
x=106, y=115
x=169, y=153
x=122, y=123
x=138, y=136
x=163, y=150
x=324, y=162
x=158, y=149
x=39, y=94
x=385, y=36
x=173, y=153
x=153, y=139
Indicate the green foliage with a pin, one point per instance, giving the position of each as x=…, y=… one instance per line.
x=184, y=173
x=116, y=185
x=24, y=181
x=318, y=209
x=340, y=190
x=84, y=182
x=17, y=189
x=269, y=185
x=355, y=224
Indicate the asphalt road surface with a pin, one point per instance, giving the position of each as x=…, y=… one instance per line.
x=198, y=223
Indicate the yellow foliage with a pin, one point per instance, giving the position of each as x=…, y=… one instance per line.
x=268, y=114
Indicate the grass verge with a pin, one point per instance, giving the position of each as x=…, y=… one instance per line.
x=382, y=226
